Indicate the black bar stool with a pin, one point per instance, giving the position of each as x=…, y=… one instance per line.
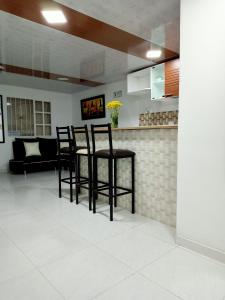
x=81, y=133
x=112, y=155
x=66, y=156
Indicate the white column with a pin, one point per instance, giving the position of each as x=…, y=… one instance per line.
x=201, y=140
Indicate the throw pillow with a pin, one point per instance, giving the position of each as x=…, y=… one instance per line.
x=32, y=149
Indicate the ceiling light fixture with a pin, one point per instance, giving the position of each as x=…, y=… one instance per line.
x=153, y=53
x=62, y=78
x=54, y=16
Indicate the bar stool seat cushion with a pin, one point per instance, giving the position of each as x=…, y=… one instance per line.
x=66, y=150
x=117, y=153
x=83, y=151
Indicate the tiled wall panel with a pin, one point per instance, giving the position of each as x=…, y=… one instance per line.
x=156, y=171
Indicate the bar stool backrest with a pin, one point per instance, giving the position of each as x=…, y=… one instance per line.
x=102, y=129
x=64, y=141
x=82, y=132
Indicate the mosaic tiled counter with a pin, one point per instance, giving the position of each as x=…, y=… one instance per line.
x=156, y=169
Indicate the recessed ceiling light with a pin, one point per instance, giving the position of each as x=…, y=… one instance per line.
x=63, y=78
x=8, y=104
x=153, y=53
x=54, y=16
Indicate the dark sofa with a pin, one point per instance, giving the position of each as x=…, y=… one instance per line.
x=22, y=164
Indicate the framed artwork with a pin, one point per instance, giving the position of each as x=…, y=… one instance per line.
x=2, y=132
x=93, y=108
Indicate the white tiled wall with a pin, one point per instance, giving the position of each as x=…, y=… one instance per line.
x=133, y=105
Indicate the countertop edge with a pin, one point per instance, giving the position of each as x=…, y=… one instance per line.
x=147, y=127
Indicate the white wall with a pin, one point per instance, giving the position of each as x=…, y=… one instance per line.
x=201, y=150
x=133, y=105
x=61, y=105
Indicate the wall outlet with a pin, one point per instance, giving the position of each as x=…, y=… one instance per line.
x=117, y=94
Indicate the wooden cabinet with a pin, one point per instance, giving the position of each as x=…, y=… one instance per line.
x=172, y=72
x=160, y=81
x=165, y=80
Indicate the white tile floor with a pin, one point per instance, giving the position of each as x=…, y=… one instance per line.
x=51, y=249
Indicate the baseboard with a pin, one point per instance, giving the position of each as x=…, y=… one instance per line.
x=202, y=249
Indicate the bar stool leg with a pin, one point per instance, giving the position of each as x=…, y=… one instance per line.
x=110, y=168
x=78, y=172
x=76, y=179
x=71, y=179
x=90, y=182
x=60, y=178
x=115, y=182
x=133, y=183
x=95, y=172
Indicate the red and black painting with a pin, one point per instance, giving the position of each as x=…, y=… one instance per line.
x=93, y=108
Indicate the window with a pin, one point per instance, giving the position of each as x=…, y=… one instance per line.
x=27, y=117
x=43, y=118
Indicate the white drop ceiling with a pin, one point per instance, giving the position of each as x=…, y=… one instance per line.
x=30, y=45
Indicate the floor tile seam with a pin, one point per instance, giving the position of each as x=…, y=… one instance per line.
x=114, y=236
x=35, y=267
x=157, y=238
x=31, y=262
x=159, y=285
x=77, y=233
x=105, y=239
x=134, y=270
x=39, y=270
x=20, y=250
x=157, y=259
x=139, y=225
x=50, y=283
x=65, y=256
x=113, y=286
x=117, y=259
x=62, y=257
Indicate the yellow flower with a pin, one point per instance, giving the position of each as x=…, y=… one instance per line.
x=114, y=104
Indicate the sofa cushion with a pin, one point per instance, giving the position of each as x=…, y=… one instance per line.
x=18, y=150
x=32, y=149
x=33, y=159
x=48, y=148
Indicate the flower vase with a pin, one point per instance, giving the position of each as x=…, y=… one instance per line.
x=114, y=119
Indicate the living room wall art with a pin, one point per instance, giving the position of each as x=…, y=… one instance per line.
x=93, y=108
x=2, y=132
